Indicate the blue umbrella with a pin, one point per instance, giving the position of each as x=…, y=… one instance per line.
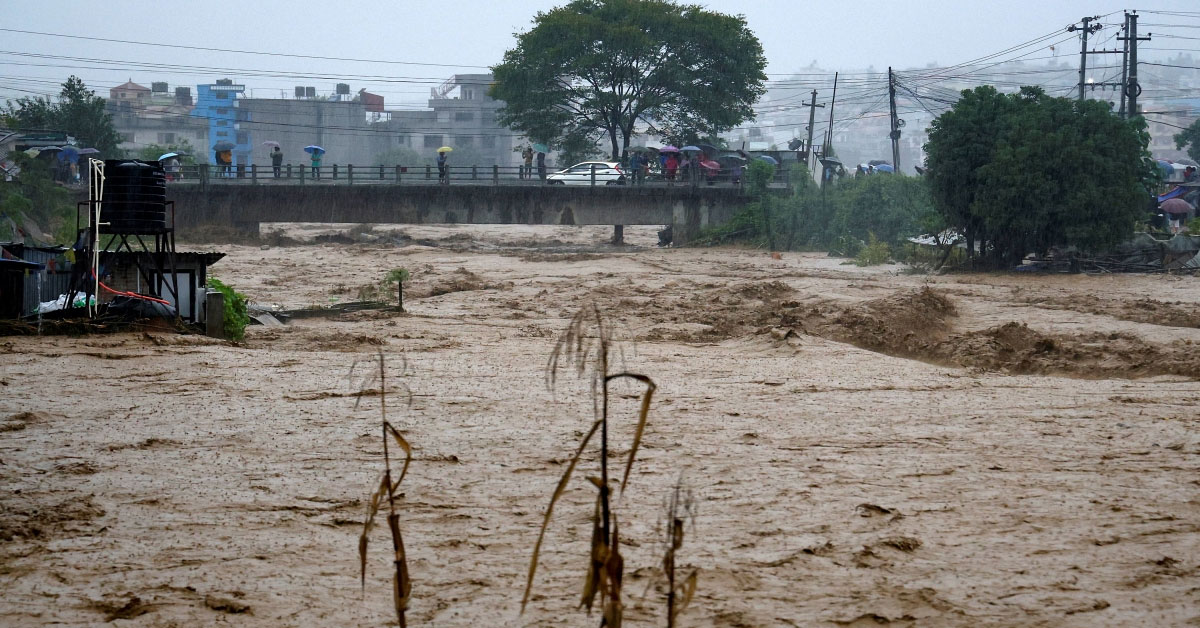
x=769, y=159
x=540, y=148
x=166, y=156
x=691, y=148
x=314, y=149
x=69, y=153
x=885, y=168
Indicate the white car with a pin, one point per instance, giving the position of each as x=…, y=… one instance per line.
x=607, y=173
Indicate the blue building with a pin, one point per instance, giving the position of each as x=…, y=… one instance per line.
x=218, y=103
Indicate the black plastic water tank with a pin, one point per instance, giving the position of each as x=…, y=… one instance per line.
x=134, y=198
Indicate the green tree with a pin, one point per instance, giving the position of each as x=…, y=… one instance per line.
x=598, y=68
x=183, y=147
x=889, y=207
x=34, y=196
x=78, y=111
x=1190, y=138
x=1020, y=173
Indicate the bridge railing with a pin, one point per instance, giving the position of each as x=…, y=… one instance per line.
x=349, y=174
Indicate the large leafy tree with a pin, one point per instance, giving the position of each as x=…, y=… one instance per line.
x=78, y=111
x=599, y=68
x=1190, y=138
x=1020, y=173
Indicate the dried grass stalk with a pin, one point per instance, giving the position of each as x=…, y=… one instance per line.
x=402, y=584
x=585, y=343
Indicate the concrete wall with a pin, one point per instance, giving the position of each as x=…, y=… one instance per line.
x=245, y=206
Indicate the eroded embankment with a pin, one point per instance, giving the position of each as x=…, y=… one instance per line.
x=921, y=324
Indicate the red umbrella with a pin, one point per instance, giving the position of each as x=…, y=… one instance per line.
x=711, y=166
x=1175, y=206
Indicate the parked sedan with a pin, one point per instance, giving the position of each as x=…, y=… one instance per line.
x=607, y=173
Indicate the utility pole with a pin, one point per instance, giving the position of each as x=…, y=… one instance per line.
x=829, y=131
x=1124, y=66
x=895, y=134
x=1132, y=88
x=1087, y=29
x=812, y=119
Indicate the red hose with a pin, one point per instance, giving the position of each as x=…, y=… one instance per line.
x=130, y=294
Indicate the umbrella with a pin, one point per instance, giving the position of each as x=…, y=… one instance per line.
x=876, y=162
x=32, y=152
x=271, y=143
x=50, y=149
x=731, y=157
x=709, y=149
x=69, y=153
x=314, y=149
x=224, y=145
x=537, y=147
x=89, y=151
x=668, y=149
x=1177, y=192
x=166, y=156
x=1176, y=206
x=831, y=162
x=884, y=168
x=447, y=149
x=642, y=149
x=711, y=166
x=1187, y=162
x=769, y=159
x=690, y=149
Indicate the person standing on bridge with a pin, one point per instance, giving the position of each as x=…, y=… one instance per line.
x=276, y=161
x=316, y=163
x=541, y=163
x=441, y=164
x=527, y=156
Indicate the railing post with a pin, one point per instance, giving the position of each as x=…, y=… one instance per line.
x=495, y=174
x=428, y=171
x=254, y=173
x=289, y=171
x=301, y=174
x=202, y=170
x=474, y=172
x=397, y=174
x=349, y=174
x=335, y=169
x=593, y=175
x=381, y=172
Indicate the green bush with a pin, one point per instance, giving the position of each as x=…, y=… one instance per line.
x=236, y=316
x=876, y=252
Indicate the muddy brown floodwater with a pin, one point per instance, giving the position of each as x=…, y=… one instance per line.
x=865, y=446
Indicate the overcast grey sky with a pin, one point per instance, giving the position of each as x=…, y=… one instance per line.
x=469, y=35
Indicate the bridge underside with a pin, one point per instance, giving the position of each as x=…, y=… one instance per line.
x=246, y=206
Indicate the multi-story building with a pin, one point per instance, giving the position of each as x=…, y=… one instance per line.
x=461, y=116
x=144, y=117
x=217, y=105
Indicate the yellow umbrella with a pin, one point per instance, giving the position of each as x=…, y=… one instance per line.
x=445, y=149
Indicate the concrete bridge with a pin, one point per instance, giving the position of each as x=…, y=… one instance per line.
x=687, y=208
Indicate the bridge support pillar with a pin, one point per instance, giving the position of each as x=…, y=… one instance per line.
x=685, y=220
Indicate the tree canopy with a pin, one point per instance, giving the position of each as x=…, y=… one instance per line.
x=1020, y=173
x=1190, y=138
x=598, y=68
x=78, y=111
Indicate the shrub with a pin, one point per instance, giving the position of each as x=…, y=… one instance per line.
x=876, y=252
x=236, y=316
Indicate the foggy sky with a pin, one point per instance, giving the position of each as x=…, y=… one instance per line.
x=468, y=36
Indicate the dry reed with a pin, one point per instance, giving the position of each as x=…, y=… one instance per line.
x=586, y=344
x=402, y=584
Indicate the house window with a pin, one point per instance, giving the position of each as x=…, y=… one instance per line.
x=464, y=116
x=243, y=137
x=222, y=122
x=223, y=95
x=222, y=111
x=166, y=138
x=402, y=140
x=433, y=141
